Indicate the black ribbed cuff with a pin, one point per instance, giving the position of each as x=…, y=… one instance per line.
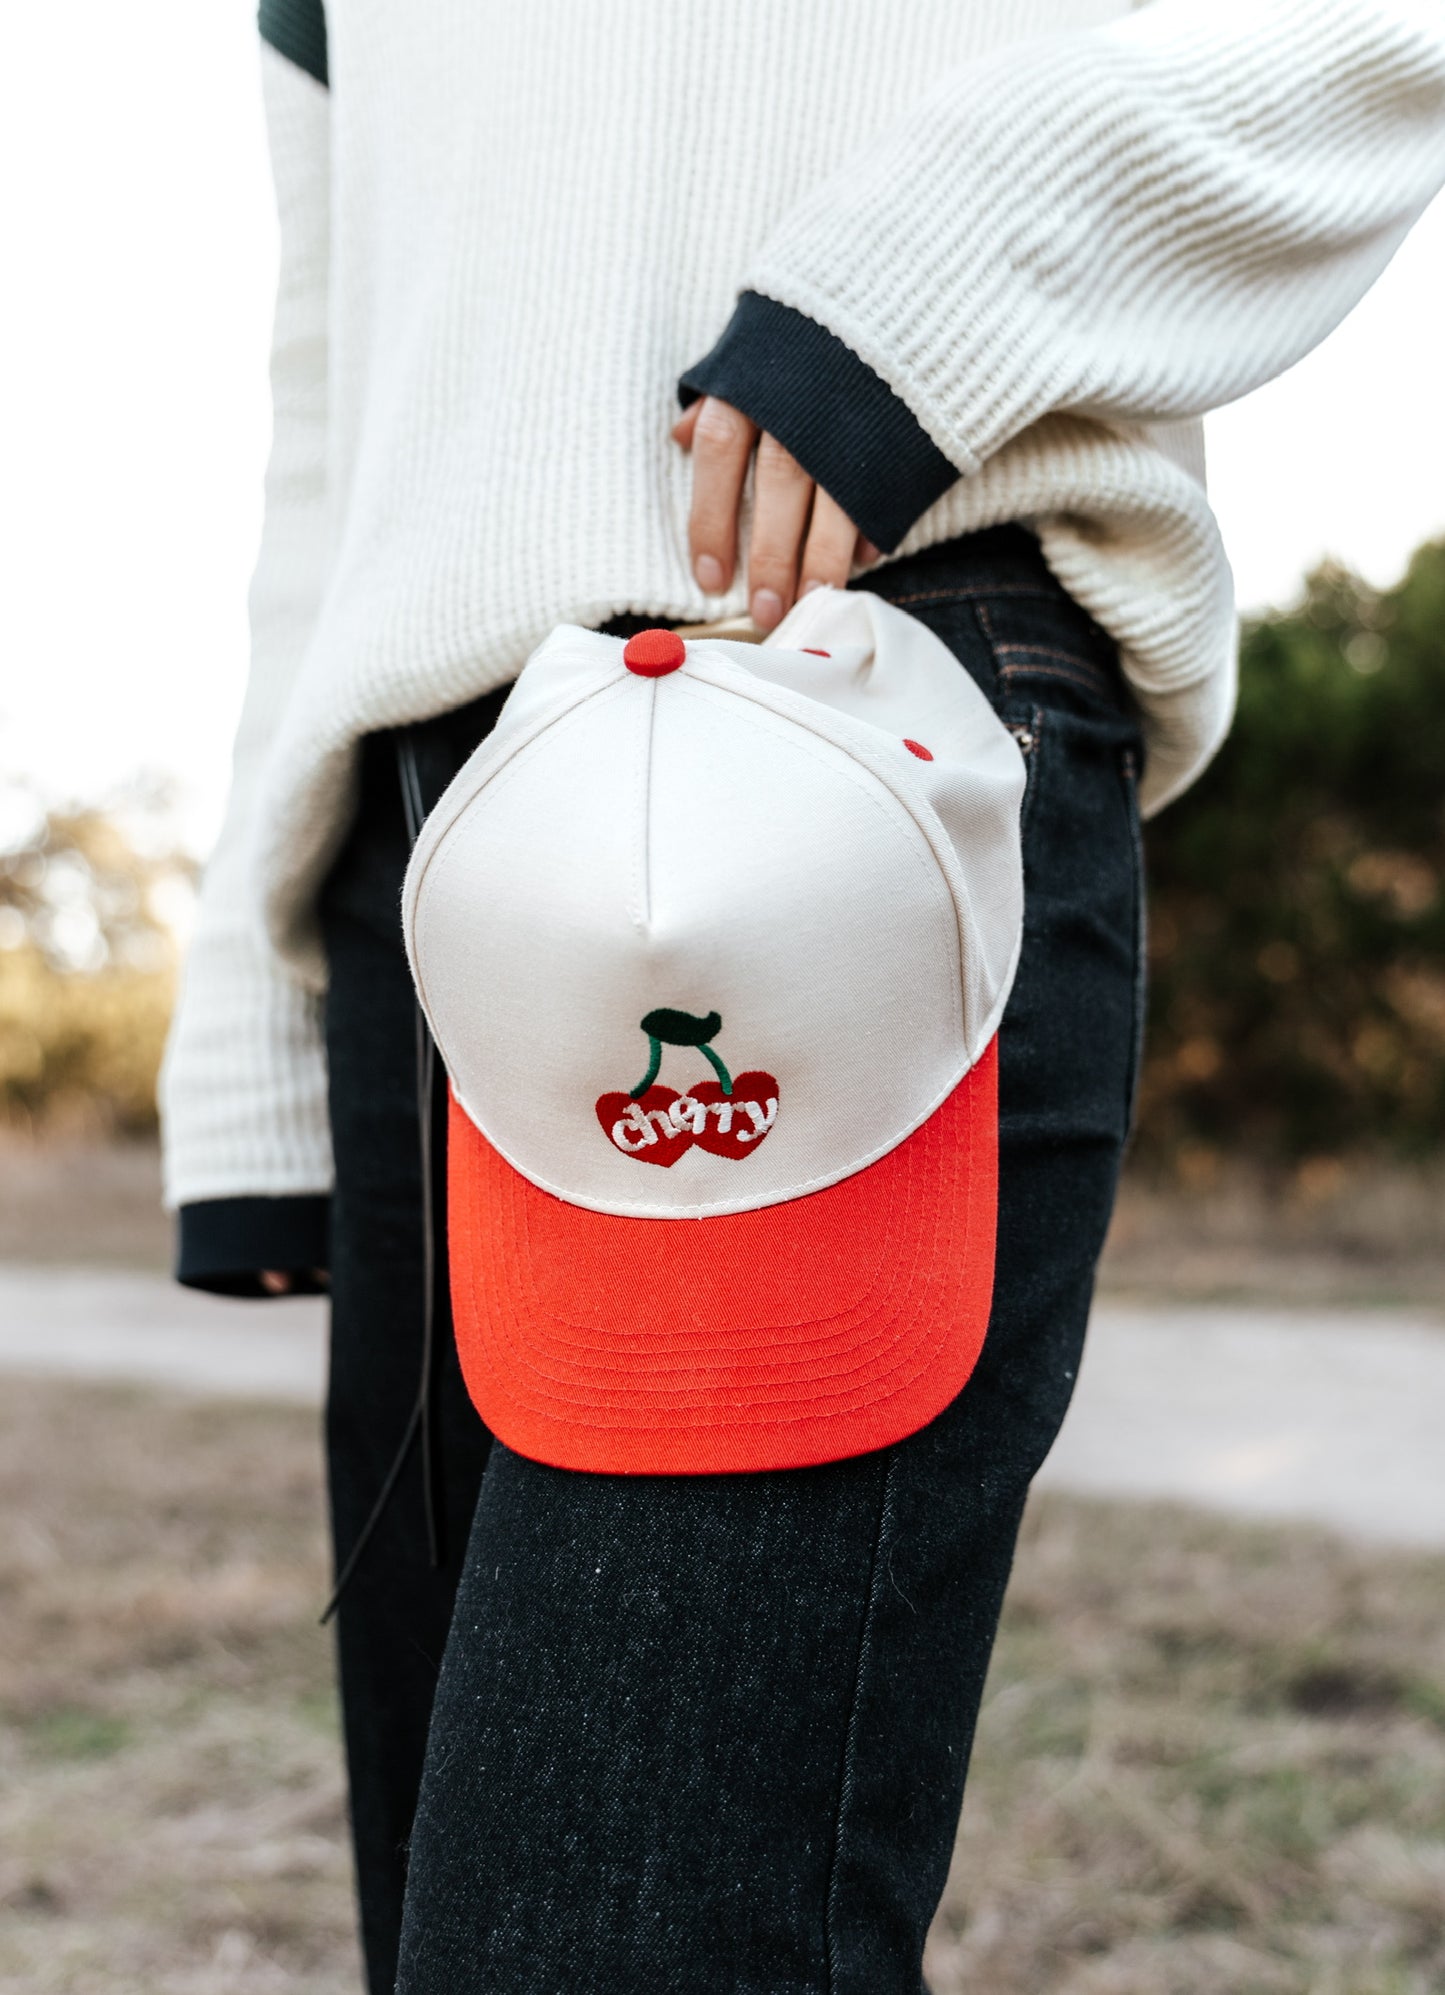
x=297, y=30
x=842, y=422
x=222, y=1244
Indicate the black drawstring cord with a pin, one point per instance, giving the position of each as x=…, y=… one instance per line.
x=415, y=807
x=364, y=1537
x=426, y=1400
x=423, y=1414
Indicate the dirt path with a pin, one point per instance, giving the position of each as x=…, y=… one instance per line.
x=102, y=1323
x=1330, y=1415
x=1324, y=1414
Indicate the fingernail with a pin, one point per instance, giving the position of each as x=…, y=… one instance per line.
x=767, y=608
x=810, y=585
x=709, y=571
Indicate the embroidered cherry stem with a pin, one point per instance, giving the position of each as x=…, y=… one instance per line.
x=654, y=1061
x=718, y=1068
x=680, y=1028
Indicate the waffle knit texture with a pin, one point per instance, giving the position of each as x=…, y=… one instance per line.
x=1055, y=232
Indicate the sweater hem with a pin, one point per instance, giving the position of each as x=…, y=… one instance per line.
x=297, y=30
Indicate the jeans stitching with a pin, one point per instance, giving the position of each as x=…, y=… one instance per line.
x=1096, y=675
x=1008, y=673
x=967, y=594
x=1046, y=651
x=1088, y=677
x=848, y=1770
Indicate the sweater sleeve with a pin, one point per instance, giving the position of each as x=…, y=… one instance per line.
x=243, y=1086
x=1138, y=222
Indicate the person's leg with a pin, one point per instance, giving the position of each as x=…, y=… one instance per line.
x=396, y=1606
x=1069, y=1050
x=711, y=1733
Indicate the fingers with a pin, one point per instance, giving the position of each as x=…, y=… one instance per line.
x=795, y=526
x=782, y=502
x=722, y=441
x=832, y=545
x=278, y=1281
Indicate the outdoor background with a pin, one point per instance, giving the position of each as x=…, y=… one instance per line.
x=1213, y=1755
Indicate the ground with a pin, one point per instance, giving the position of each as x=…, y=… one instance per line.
x=1211, y=1761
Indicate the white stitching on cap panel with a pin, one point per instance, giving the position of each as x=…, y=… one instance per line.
x=642, y=915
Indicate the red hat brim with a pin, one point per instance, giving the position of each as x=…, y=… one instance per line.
x=800, y=1333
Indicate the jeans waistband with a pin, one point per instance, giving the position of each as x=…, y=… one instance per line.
x=1000, y=563
x=997, y=560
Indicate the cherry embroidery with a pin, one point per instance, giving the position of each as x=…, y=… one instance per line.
x=641, y=1126
x=734, y=1127
x=656, y=1124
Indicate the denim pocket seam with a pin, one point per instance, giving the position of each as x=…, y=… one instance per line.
x=1027, y=728
x=1066, y=665
x=1083, y=673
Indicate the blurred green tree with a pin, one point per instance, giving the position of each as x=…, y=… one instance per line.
x=1297, y=947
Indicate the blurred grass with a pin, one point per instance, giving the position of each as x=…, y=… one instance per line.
x=171, y=1809
x=82, y=1203
x=1212, y=1758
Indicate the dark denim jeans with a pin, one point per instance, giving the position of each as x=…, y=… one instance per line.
x=711, y=1733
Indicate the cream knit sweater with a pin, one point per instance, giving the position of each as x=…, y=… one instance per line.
x=1056, y=235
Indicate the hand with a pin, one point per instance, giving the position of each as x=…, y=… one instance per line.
x=801, y=539
x=280, y=1281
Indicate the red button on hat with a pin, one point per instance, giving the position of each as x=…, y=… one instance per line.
x=652, y=654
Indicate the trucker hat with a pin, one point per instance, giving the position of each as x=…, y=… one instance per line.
x=714, y=939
